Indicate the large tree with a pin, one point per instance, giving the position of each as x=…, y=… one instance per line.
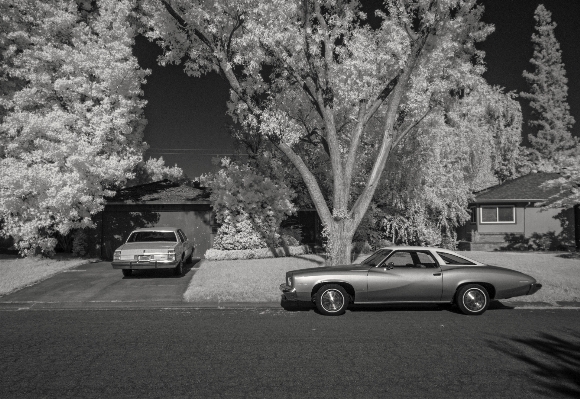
x=548, y=92
x=71, y=117
x=329, y=71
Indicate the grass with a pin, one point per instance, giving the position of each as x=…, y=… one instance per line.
x=257, y=280
x=559, y=273
x=19, y=272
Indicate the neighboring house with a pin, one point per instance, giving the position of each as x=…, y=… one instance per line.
x=508, y=217
x=159, y=204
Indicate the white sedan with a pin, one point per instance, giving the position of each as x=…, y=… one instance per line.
x=154, y=248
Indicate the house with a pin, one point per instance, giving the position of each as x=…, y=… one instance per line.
x=166, y=203
x=509, y=217
x=158, y=204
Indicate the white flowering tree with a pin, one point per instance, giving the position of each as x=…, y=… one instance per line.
x=330, y=72
x=154, y=169
x=468, y=146
x=71, y=117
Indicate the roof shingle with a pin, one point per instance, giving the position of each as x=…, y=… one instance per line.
x=164, y=191
x=523, y=188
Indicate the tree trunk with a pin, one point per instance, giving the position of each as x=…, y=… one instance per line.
x=340, y=235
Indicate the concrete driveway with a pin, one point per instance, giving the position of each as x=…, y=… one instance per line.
x=98, y=285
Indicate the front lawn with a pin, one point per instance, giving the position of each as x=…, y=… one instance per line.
x=19, y=272
x=257, y=280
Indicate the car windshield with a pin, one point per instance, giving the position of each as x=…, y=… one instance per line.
x=149, y=236
x=377, y=257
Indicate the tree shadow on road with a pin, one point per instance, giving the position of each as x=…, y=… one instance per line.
x=552, y=358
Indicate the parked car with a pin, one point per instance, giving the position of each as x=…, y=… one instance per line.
x=407, y=275
x=154, y=248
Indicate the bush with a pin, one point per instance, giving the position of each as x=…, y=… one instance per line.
x=249, y=207
x=260, y=253
x=288, y=241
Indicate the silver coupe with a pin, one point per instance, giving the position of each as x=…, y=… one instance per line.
x=407, y=275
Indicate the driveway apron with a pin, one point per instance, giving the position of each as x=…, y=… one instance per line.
x=99, y=285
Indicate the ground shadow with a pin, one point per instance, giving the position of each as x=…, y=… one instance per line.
x=552, y=358
x=297, y=306
x=165, y=273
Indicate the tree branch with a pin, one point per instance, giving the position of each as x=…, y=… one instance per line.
x=311, y=183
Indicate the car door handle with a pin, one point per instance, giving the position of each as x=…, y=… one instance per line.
x=436, y=274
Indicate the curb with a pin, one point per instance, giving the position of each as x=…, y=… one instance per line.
x=137, y=305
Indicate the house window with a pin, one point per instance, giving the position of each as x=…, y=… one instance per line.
x=473, y=212
x=498, y=214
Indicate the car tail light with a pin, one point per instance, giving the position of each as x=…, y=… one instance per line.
x=288, y=281
x=171, y=254
x=117, y=255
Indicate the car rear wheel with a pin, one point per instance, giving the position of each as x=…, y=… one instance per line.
x=332, y=300
x=178, y=271
x=127, y=272
x=472, y=299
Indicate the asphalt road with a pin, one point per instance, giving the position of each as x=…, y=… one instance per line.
x=423, y=352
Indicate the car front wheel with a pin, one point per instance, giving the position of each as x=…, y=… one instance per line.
x=127, y=272
x=332, y=300
x=472, y=299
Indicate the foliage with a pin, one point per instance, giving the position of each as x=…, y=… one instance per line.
x=426, y=189
x=248, y=206
x=568, y=184
x=155, y=170
x=258, y=253
x=330, y=77
x=79, y=247
x=548, y=92
x=71, y=117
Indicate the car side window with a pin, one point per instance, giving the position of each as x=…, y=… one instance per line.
x=425, y=260
x=401, y=259
x=451, y=259
x=413, y=259
x=179, y=237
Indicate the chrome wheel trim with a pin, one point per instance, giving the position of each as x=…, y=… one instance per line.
x=474, y=299
x=332, y=300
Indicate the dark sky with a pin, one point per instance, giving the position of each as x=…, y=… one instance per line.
x=187, y=121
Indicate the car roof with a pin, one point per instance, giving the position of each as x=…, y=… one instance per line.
x=157, y=229
x=417, y=248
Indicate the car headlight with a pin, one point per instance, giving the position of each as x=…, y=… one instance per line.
x=117, y=255
x=171, y=254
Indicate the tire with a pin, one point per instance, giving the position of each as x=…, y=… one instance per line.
x=127, y=272
x=189, y=258
x=332, y=300
x=178, y=270
x=472, y=299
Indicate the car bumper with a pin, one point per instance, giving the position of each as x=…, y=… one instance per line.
x=534, y=288
x=125, y=264
x=288, y=292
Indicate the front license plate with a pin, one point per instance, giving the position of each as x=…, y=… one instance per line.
x=142, y=257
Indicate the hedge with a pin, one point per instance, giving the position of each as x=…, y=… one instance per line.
x=217, y=254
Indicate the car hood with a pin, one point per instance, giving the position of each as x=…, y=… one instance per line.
x=327, y=269
x=155, y=245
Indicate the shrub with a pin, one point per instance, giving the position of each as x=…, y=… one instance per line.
x=248, y=206
x=260, y=253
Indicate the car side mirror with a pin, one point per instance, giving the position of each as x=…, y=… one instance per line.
x=390, y=265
